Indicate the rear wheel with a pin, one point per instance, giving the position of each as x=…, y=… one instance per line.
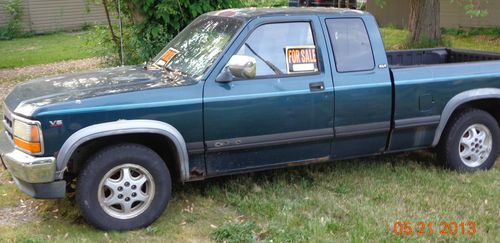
x=123, y=187
x=470, y=142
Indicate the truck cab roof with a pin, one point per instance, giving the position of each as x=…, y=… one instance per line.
x=251, y=13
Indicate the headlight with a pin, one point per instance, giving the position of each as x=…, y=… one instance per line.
x=27, y=137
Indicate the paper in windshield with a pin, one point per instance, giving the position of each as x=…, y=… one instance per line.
x=165, y=58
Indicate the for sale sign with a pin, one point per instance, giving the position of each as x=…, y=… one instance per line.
x=301, y=59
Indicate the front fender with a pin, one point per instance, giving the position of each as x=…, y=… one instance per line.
x=118, y=128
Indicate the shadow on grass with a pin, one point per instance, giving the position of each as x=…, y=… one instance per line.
x=421, y=160
x=304, y=177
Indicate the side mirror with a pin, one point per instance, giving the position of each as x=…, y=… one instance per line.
x=239, y=66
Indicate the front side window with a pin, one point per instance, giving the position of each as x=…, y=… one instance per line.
x=281, y=49
x=351, y=45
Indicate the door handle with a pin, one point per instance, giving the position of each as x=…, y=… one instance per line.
x=317, y=86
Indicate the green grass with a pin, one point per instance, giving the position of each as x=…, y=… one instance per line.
x=394, y=39
x=352, y=200
x=42, y=49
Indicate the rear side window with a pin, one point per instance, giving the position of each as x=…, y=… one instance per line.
x=351, y=45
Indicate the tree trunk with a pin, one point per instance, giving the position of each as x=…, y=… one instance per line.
x=424, y=22
x=110, y=25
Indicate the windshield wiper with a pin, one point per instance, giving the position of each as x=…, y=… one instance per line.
x=176, y=73
x=170, y=70
x=268, y=63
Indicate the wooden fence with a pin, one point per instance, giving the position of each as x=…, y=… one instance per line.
x=43, y=16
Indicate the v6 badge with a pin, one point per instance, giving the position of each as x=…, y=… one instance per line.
x=56, y=123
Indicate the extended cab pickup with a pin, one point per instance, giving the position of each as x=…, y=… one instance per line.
x=244, y=90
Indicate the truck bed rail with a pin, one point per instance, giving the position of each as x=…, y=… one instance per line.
x=434, y=56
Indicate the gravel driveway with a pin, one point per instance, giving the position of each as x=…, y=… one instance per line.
x=10, y=77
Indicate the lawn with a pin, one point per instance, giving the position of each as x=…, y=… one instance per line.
x=394, y=37
x=353, y=200
x=42, y=49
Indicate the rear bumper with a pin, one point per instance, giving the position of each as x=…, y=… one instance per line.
x=33, y=175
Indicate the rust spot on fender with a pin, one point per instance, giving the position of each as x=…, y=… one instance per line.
x=196, y=174
x=309, y=161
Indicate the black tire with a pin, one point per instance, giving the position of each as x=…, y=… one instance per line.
x=107, y=160
x=450, y=146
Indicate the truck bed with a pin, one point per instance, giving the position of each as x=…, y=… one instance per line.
x=433, y=56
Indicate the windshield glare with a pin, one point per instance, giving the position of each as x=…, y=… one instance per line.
x=195, y=48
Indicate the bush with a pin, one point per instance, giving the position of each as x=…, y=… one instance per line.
x=160, y=21
x=99, y=42
x=466, y=32
x=13, y=27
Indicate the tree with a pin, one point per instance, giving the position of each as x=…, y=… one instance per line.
x=424, y=21
x=150, y=24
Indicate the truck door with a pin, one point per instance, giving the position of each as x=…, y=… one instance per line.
x=362, y=86
x=284, y=113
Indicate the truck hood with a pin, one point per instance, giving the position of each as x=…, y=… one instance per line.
x=29, y=96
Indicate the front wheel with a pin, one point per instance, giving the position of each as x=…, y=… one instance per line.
x=470, y=142
x=123, y=187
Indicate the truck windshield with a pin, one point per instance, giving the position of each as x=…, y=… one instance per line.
x=195, y=48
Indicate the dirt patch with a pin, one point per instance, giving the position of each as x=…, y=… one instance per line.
x=24, y=212
x=48, y=69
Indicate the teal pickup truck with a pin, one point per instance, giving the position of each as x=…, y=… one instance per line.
x=244, y=90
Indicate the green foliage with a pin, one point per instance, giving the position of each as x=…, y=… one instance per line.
x=13, y=27
x=472, y=7
x=394, y=39
x=236, y=232
x=164, y=19
x=99, y=42
x=161, y=20
x=466, y=32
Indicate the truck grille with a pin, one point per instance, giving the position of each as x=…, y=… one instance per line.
x=7, y=121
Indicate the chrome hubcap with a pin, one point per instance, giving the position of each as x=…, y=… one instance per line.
x=475, y=145
x=126, y=191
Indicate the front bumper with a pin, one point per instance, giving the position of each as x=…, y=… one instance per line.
x=33, y=175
